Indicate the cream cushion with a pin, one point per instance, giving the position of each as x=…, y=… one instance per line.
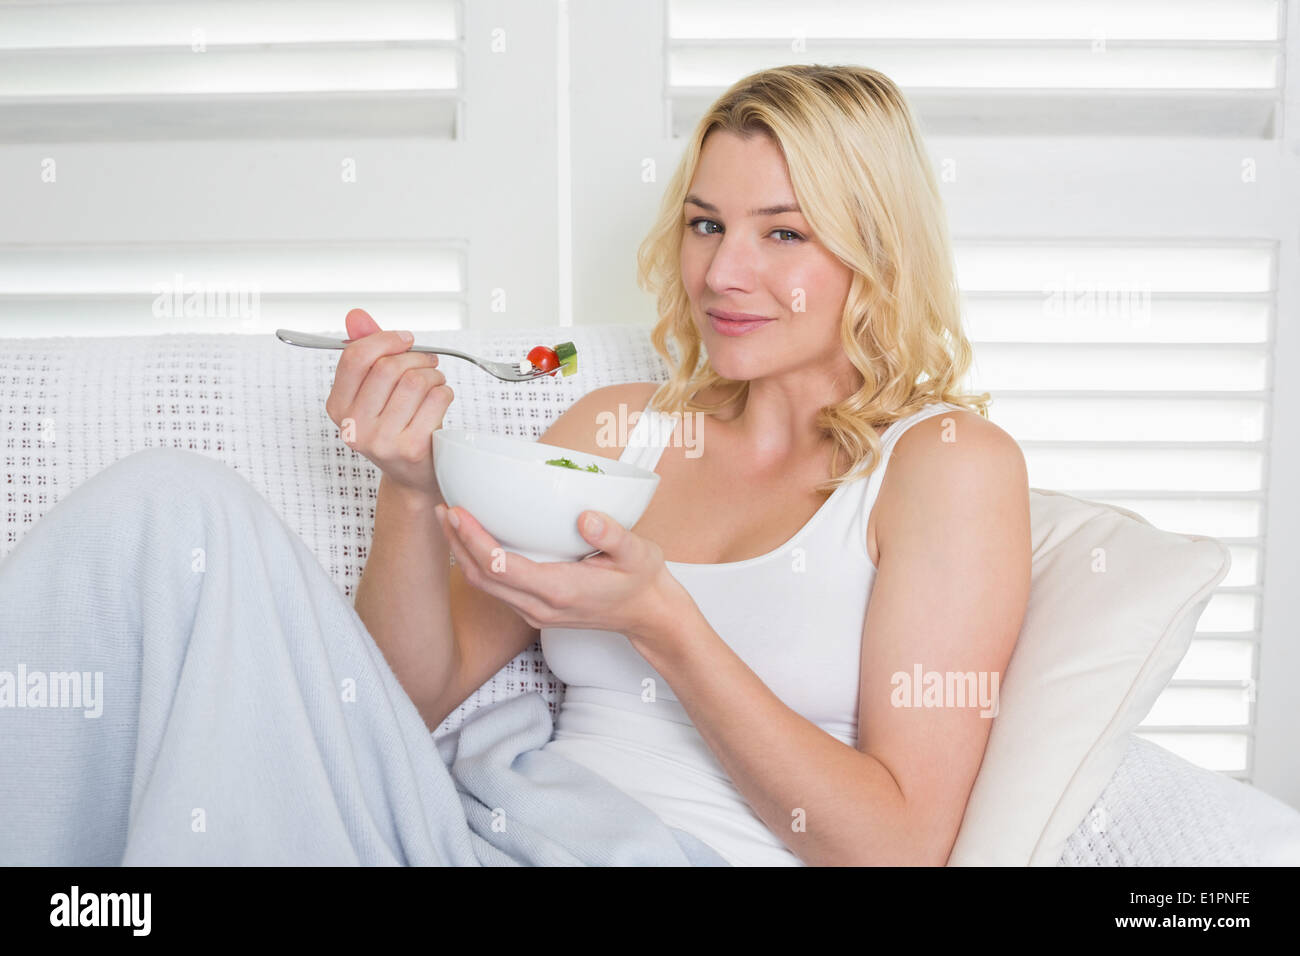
x=1113, y=606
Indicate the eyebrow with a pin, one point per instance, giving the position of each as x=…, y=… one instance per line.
x=763, y=211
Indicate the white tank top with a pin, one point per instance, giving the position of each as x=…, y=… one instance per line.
x=794, y=615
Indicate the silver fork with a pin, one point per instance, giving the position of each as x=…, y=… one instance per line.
x=502, y=370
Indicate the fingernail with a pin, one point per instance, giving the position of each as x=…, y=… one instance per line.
x=406, y=337
x=594, y=524
x=455, y=521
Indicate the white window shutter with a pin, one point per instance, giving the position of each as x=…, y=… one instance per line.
x=1123, y=207
x=243, y=165
x=205, y=69
x=1147, y=67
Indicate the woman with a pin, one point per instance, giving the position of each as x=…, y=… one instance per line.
x=805, y=198
x=721, y=655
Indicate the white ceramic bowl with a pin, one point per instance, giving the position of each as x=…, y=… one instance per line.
x=528, y=506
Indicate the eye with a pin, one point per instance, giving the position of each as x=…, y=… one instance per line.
x=795, y=237
x=695, y=222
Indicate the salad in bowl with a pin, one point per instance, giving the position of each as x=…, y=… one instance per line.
x=528, y=494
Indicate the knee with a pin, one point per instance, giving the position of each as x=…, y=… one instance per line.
x=174, y=469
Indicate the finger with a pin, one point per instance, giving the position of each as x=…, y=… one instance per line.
x=473, y=537
x=485, y=579
x=518, y=573
x=428, y=417
x=609, y=536
x=356, y=362
x=382, y=380
x=359, y=324
x=540, y=585
x=458, y=549
x=408, y=394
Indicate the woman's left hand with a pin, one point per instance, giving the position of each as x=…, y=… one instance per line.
x=627, y=588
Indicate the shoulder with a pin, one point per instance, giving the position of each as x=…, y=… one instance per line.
x=952, y=471
x=960, y=439
x=582, y=424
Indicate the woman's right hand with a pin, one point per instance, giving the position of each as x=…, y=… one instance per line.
x=388, y=402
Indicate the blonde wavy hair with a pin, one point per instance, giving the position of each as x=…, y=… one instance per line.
x=865, y=185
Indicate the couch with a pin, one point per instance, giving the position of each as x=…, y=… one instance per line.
x=1102, y=794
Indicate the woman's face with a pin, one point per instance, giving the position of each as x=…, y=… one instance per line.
x=740, y=256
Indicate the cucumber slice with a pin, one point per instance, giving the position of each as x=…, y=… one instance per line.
x=568, y=356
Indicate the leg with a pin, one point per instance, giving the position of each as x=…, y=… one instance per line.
x=233, y=707
x=240, y=713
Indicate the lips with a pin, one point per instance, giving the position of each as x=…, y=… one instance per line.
x=738, y=316
x=728, y=326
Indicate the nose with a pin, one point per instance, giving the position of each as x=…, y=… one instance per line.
x=732, y=267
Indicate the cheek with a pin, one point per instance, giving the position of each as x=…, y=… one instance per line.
x=824, y=288
x=693, y=269
x=802, y=288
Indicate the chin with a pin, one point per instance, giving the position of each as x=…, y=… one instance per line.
x=731, y=358
x=728, y=368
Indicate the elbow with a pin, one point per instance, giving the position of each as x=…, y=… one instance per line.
x=926, y=841
x=933, y=841
x=912, y=854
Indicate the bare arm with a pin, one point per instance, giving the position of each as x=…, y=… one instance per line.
x=387, y=402
x=402, y=596
x=443, y=637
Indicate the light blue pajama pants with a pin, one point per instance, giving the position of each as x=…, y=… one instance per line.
x=182, y=683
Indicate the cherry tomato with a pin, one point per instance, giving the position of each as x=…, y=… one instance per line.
x=544, y=358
